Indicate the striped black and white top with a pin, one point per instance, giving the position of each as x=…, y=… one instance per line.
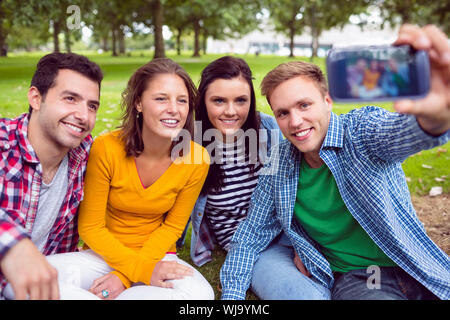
x=226, y=208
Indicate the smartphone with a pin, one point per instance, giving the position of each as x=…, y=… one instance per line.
x=377, y=73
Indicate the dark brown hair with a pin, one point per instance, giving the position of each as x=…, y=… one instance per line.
x=49, y=65
x=138, y=83
x=224, y=68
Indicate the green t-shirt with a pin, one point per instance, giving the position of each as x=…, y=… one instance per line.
x=320, y=210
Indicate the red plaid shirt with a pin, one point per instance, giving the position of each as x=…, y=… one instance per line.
x=20, y=183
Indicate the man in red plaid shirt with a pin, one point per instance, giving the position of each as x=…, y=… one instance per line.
x=43, y=157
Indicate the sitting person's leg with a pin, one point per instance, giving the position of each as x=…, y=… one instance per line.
x=392, y=283
x=76, y=273
x=275, y=276
x=194, y=287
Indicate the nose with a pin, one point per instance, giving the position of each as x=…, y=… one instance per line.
x=82, y=113
x=230, y=110
x=172, y=107
x=296, y=119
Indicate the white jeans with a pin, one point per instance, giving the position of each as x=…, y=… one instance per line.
x=78, y=270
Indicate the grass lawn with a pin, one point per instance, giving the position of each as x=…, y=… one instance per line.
x=423, y=171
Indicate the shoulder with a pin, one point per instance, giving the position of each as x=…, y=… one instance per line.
x=108, y=145
x=11, y=130
x=268, y=121
x=198, y=155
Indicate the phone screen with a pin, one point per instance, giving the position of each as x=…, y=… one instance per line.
x=376, y=73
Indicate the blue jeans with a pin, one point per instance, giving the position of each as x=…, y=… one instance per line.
x=394, y=284
x=275, y=276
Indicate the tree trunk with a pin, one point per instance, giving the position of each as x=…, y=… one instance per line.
x=205, y=40
x=67, y=42
x=314, y=35
x=158, y=20
x=179, y=30
x=3, y=44
x=114, y=42
x=105, y=43
x=121, y=38
x=56, y=31
x=291, y=41
x=196, y=38
x=3, y=34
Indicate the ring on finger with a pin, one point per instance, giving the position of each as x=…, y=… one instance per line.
x=105, y=293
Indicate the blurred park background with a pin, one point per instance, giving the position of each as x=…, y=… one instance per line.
x=123, y=35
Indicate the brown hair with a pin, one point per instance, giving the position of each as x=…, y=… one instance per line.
x=132, y=123
x=289, y=70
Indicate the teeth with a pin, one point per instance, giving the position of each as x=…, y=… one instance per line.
x=170, y=121
x=229, y=121
x=302, y=133
x=73, y=127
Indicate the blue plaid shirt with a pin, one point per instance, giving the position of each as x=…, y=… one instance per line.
x=364, y=150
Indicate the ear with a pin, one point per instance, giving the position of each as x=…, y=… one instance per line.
x=328, y=101
x=34, y=98
x=139, y=106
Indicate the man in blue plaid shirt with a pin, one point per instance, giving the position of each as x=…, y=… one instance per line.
x=335, y=220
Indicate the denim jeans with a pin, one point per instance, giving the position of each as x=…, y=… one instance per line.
x=275, y=276
x=393, y=284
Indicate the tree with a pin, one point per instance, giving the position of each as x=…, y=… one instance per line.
x=317, y=15
x=420, y=12
x=287, y=17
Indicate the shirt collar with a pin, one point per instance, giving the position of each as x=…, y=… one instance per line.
x=26, y=149
x=335, y=133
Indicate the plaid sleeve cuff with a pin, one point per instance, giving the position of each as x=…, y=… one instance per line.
x=10, y=235
x=233, y=294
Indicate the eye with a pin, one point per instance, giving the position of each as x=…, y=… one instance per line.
x=218, y=100
x=241, y=100
x=304, y=105
x=160, y=98
x=94, y=107
x=183, y=100
x=281, y=114
x=70, y=99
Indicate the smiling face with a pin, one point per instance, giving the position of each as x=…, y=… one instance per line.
x=67, y=113
x=228, y=103
x=302, y=113
x=164, y=106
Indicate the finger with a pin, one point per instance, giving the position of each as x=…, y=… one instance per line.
x=45, y=289
x=405, y=106
x=414, y=36
x=35, y=292
x=165, y=284
x=54, y=291
x=439, y=43
x=20, y=292
x=97, y=285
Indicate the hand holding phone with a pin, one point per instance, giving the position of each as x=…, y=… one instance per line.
x=377, y=73
x=433, y=111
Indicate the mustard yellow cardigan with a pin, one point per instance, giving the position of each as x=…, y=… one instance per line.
x=130, y=226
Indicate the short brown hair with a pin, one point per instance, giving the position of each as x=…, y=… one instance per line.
x=49, y=65
x=132, y=124
x=289, y=70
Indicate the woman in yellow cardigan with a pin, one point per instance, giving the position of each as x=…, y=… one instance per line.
x=139, y=193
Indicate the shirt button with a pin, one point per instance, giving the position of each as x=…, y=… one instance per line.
x=199, y=214
x=6, y=145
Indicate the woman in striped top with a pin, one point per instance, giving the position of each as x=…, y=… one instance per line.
x=241, y=140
